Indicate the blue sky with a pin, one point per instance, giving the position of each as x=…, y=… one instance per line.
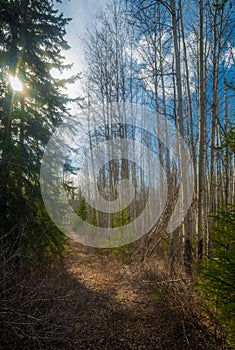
x=82, y=12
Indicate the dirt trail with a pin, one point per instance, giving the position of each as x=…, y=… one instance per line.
x=92, y=301
x=112, y=311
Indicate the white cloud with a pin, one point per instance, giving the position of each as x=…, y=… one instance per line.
x=150, y=70
x=229, y=56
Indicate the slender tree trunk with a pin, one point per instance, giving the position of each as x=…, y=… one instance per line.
x=201, y=119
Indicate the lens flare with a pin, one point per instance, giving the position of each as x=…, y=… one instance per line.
x=15, y=83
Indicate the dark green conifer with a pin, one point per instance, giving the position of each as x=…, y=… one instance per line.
x=32, y=38
x=82, y=210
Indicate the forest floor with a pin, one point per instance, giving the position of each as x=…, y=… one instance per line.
x=95, y=301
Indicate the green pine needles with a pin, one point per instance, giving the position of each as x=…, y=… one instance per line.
x=32, y=39
x=217, y=272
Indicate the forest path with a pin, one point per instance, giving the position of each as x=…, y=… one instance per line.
x=113, y=310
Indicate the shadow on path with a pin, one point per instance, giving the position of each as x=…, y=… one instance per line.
x=88, y=303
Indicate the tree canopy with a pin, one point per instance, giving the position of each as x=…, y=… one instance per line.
x=32, y=42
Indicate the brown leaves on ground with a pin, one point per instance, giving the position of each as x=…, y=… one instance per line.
x=93, y=301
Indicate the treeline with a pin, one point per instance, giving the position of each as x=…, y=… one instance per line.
x=177, y=59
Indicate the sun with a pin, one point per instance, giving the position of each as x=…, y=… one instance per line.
x=15, y=83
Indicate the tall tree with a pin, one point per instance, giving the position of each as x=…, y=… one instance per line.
x=201, y=128
x=31, y=42
x=177, y=61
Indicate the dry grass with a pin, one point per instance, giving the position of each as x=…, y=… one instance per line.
x=92, y=301
x=36, y=311
x=185, y=306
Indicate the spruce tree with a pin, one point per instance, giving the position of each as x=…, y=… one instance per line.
x=82, y=210
x=121, y=219
x=94, y=221
x=217, y=271
x=32, y=38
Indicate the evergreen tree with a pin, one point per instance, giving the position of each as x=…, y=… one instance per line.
x=230, y=140
x=121, y=219
x=31, y=43
x=218, y=272
x=82, y=210
x=94, y=220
